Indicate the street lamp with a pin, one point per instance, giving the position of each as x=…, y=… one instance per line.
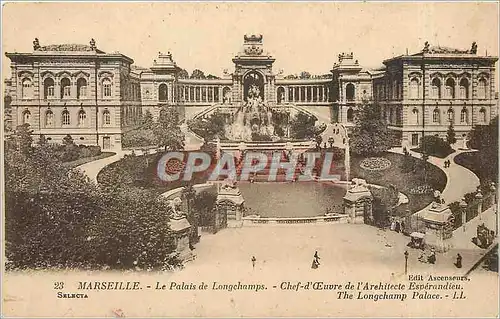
x=463, y=206
x=494, y=190
x=406, y=261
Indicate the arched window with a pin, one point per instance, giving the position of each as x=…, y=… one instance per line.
x=65, y=88
x=450, y=88
x=481, y=88
x=280, y=95
x=106, y=88
x=414, y=117
x=436, y=88
x=48, y=88
x=414, y=88
x=226, y=95
x=464, y=116
x=482, y=116
x=26, y=117
x=82, y=116
x=27, y=89
x=349, y=92
x=66, y=118
x=163, y=92
x=350, y=115
x=49, y=118
x=451, y=115
x=106, y=117
x=464, y=88
x=81, y=88
x=436, y=116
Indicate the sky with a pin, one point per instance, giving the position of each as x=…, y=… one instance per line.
x=206, y=35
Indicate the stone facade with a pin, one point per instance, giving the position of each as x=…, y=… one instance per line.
x=96, y=96
x=77, y=90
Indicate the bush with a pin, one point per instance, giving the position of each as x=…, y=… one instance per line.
x=133, y=233
x=434, y=146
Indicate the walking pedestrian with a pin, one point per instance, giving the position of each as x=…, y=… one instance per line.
x=458, y=263
x=253, y=261
x=315, y=262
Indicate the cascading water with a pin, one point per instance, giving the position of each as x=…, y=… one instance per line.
x=254, y=117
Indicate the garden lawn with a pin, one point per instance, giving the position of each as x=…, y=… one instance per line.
x=403, y=181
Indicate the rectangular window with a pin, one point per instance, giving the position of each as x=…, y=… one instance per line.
x=107, y=90
x=50, y=91
x=66, y=91
x=414, y=139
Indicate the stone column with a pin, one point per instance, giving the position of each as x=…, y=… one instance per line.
x=357, y=203
x=181, y=229
x=438, y=228
x=293, y=93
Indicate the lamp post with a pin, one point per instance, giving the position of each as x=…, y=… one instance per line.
x=406, y=261
x=463, y=206
x=494, y=190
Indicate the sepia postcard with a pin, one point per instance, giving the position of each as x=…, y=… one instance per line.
x=250, y=159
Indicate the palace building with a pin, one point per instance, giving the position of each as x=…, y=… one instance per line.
x=96, y=96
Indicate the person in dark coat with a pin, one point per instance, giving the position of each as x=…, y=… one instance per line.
x=458, y=263
x=315, y=262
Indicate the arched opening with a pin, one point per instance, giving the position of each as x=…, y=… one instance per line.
x=65, y=117
x=26, y=117
x=414, y=116
x=162, y=92
x=81, y=88
x=226, y=95
x=49, y=118
x=414, y=88
x=82, y=116
x=106, y=117
x=464, y=88
x=106, y=88
x=255, y=81
x=464, y=116
x=65, y=88
x=436, y=116
x=450, y=88
x=451, y=115
x=482, y=116
x=481, y=88
x=27, y=89
x=350, y=115
x=48, y=88
x=280, y=95
x=349, y=92
x=436, y=88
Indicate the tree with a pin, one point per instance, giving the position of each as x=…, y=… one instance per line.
x=435, y=146
x=484, y=138
x=198, y=74
x=147, y=120
x=188, y=194
x=451, y=135
x=22, y=138
x=183, y=74
x=167, y=130
x=42, y=141
x=302, y=126
x=370, y=136
x=384, y=201
x=209, y=128
x=68, y=140
x=304, y=75
x=204, y=204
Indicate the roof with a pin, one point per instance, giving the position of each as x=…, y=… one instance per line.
x=69, y=47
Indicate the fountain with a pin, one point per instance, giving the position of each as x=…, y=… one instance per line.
x=252, y=118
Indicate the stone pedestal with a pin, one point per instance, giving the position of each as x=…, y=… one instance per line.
x=229, y=205
x=438, y=221
x=358, y=203
x=181, y=229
